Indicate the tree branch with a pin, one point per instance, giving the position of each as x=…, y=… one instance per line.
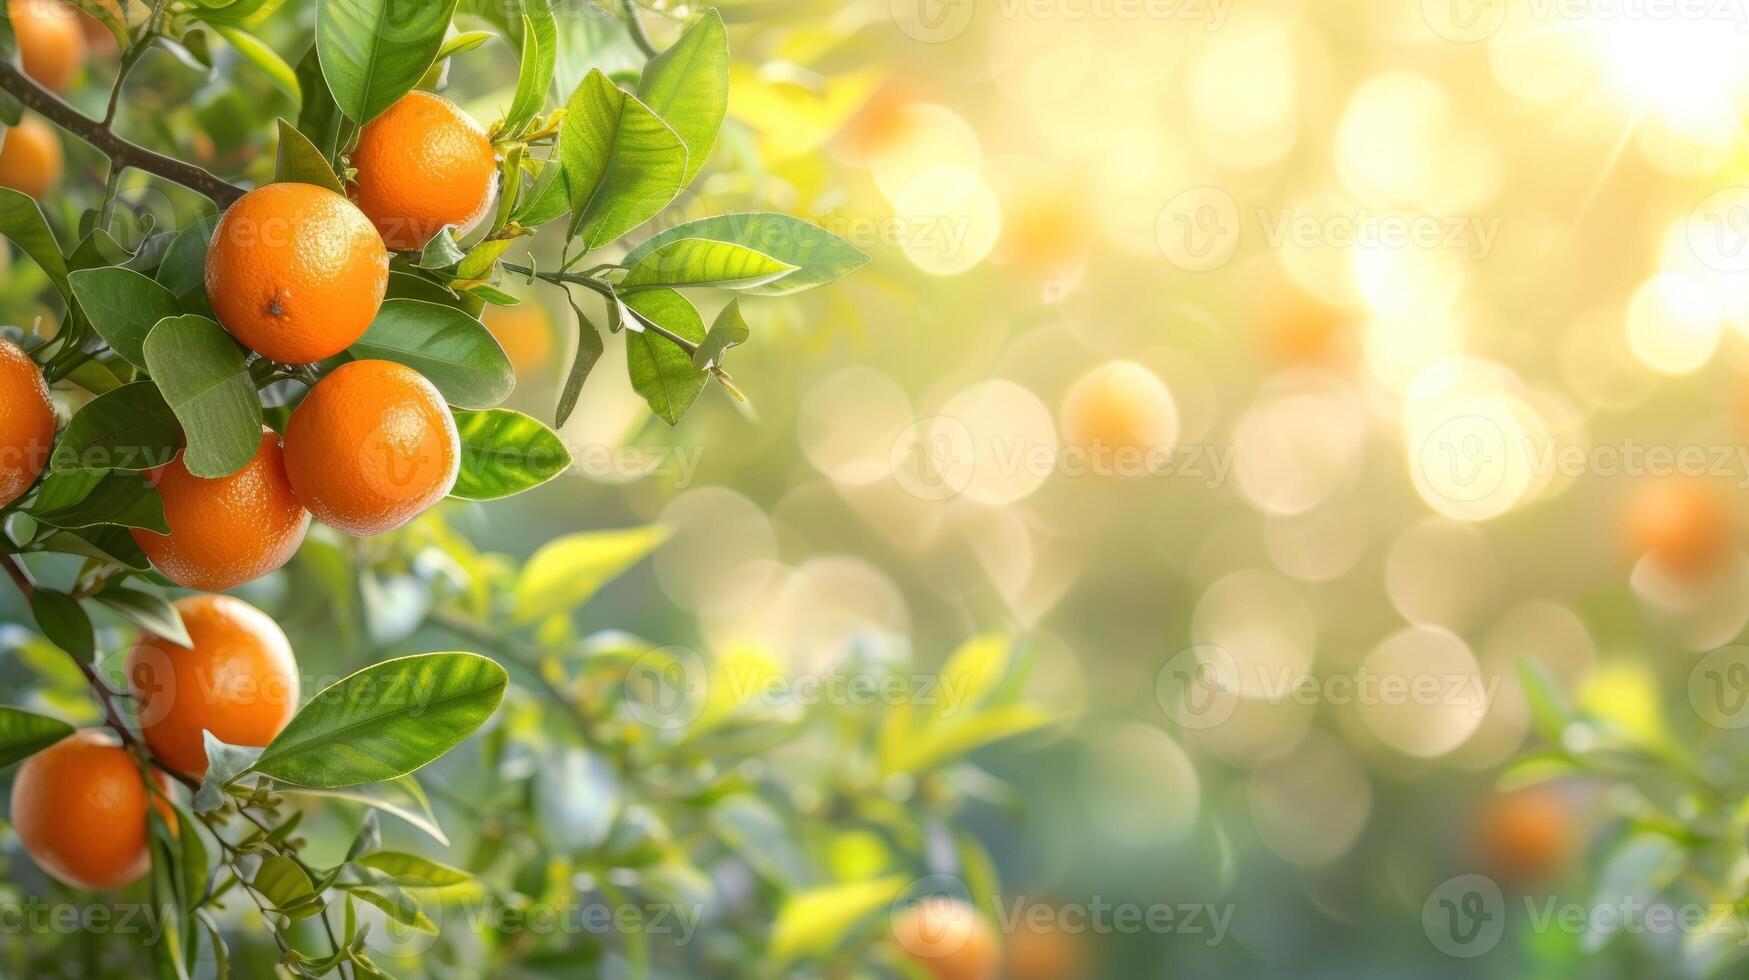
x=120, y=151
x=640, y=37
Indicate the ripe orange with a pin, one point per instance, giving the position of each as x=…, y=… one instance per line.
x=1526, y=835
x=229, y=530
x=239, y=681
x=50, y=41
x=948, y=939
x=79, y=807
x=372, y=447
x=296, y=272
x=1120, y=406
x=27, y=422
x=1682, y=524
x=526, y=334
x=30, y=157
x=1044, y=953
x=422, y=165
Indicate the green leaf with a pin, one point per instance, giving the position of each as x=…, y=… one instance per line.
x=102, y=542
x=703, y=262
x=385, y=721
x=183, y=269
x=819, y=256
x=406, y=285
x=194, y=860
x=397, y=905
x=815, y=921
x=374, y=51
x=450, y=348
x=22, y=222
x=623, y=164
x=412, y=870
x=149, y=611
x=688, y=86
x=70, y=499
x=64, y=622
x=566, y=572
x=23, y=734
x=319, y=118
x=660, y=370
x=729, y=330
x=540, y=50
x=505, y=453
x=442, y=252
x=463, y=43
x=403, y=797
x=549, y=198
x=200, y=371
x=224, y=764
x=264, y=58
x=130, y=428
x=589, y=350
x=123, y=307
x=299, y=161
x=286, y=888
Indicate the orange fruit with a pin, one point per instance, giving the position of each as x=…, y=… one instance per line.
x=947, y=939
x=371, y=447
x=1526, y=835
x=296, y=272
x=423, y=164
x=239, y=681
x=1044, y=952
x=1682, y=524
x=1120, y=406
x=50, y=41
x=1298, y=329
x=526, y=334
x=228, y=530
x=30, y=157
x=79, y=807
x=27, y=422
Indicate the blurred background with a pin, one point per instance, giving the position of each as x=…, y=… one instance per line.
x=1340, y=401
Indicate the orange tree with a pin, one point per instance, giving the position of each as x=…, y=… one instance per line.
x=285, y=381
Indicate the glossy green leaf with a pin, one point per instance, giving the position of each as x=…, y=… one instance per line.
x=70, y=499
x=590, y=347
x=23, y=734
x=728, y=330
x=819, y=256
x=505, y=453
x=374, y=51
x=103, y=542
x=299, y=161
x=286, y=888
x=623, y=164
x=266, y=60
x=147, y=610
x=413, y=870
x=64, y=622
x=23, y=224
x=385, y=721
x=130, y=428
x=540, y=51
x=661, y=371
x=688, y=86
x=200, y=371
x=123, y=307
x=403, y=798
x=224, y=764
x=703, y=262
x=566, y=572
x=183, y=269
x=451, y=349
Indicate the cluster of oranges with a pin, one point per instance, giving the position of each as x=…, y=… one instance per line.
x=296, y=273
x=79, y=806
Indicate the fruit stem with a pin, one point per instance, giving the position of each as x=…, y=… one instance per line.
x=640, y=37
x=121, y=152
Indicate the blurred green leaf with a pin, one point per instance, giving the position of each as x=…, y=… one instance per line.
x=819, y=256
x=540, y=51
x=266, y=60
x=22, y=223
x=566, y=572
x=815, y=921
x=385, y=721
x=413, y=870
x=403, y=798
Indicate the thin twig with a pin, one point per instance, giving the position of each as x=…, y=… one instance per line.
x=120, y=151
x=640, y=37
